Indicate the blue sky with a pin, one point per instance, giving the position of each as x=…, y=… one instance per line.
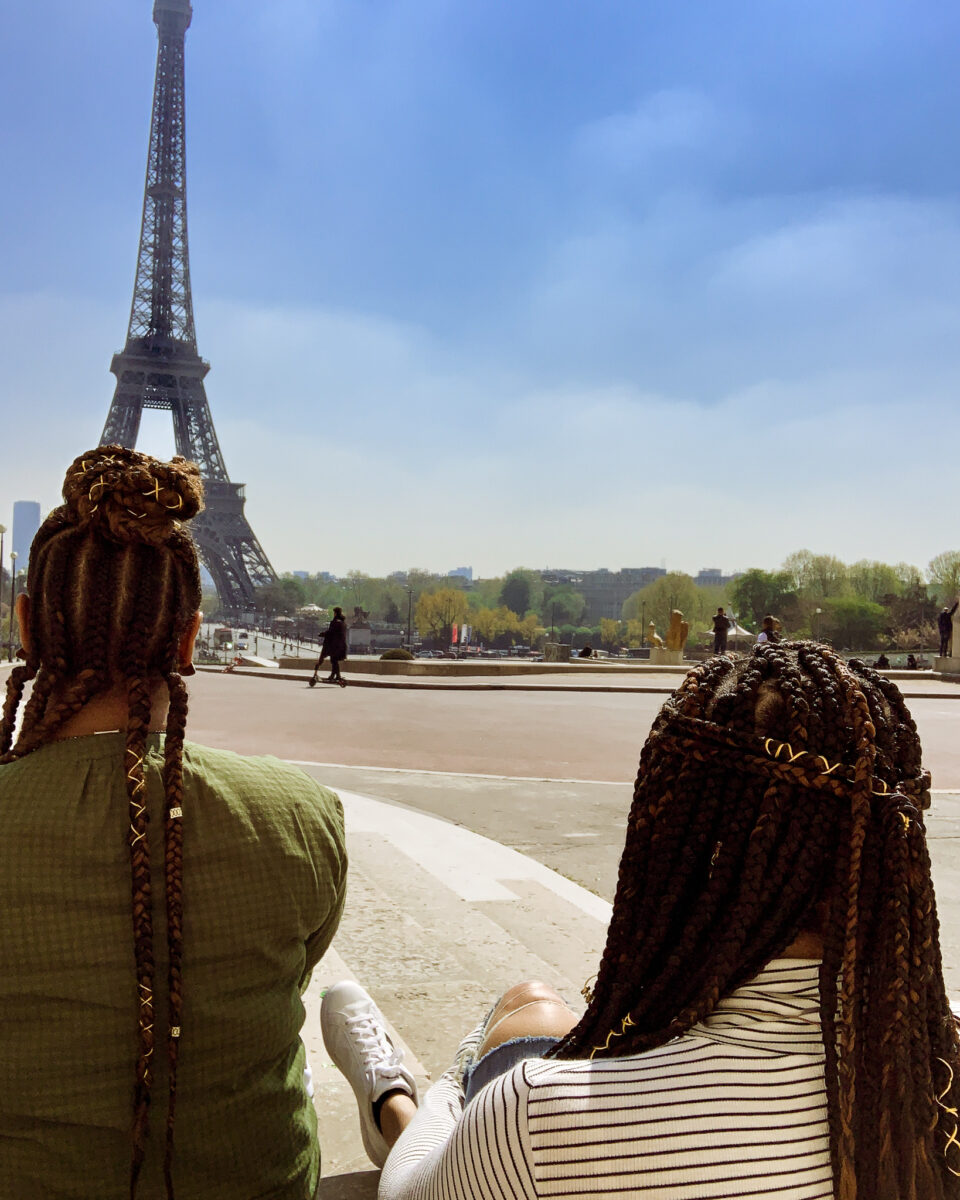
x=554, y=283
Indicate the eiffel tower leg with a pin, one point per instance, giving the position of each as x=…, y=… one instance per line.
x=122, y=425
x=228, y=546
x=193, y=430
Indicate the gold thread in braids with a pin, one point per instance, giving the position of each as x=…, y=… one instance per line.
x=951, y=1110
x=807, y=834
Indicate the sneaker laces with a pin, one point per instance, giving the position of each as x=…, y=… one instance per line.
x=381, y=1060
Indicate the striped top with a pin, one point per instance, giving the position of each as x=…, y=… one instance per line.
x=734, y=1108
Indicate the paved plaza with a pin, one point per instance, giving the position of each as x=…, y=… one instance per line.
x=484, y=826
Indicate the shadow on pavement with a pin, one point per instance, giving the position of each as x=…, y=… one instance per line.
x=360, y=1185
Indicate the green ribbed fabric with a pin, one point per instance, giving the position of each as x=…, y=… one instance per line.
x=264, y=876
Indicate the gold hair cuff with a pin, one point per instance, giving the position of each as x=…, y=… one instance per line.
x=952, y=1139
x=878, y=788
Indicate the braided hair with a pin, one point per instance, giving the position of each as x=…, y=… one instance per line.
x=114, y=584
x=780, y=794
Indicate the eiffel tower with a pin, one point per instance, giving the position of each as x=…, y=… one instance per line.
x=159, y=366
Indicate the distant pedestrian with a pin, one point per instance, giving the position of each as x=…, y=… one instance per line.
x=882, y=662
x=586, y=652
x=945, y=625
x=912, y=662
x=768, y=630
x=721, y=627
x=334, y=647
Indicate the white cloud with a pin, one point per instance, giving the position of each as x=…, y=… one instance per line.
x=669, y=120
x=366, y=442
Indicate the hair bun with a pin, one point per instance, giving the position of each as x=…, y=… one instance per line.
x=131, y=497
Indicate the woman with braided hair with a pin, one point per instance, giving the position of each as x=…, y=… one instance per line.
x=769, y=1017
x=162, y=903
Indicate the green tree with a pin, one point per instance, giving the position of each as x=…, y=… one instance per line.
x=209, y=604
x=422, y=580
x=853, y=623
x=521, y=591
x=611, y=633
x=909, y=579
x=281, y=597
x=437, y=612
x=492, y=624
x=658, y=599
x=485, y=593
x=756, y=593
x=815, y=576
x=944, y=572
x=871, y=580
x=529, y=629
x=562, y=606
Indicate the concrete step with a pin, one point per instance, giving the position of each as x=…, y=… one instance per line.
x=439, y=921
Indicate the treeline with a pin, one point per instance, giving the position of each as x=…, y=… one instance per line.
x=862, y=604
x=856, y=605
x=518, y=608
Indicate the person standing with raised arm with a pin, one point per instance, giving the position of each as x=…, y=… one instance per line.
x=945, y=627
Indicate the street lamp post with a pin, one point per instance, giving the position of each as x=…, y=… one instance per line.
x=643, y=626
x=13, y=584
x=410, y=619
x=817, y=612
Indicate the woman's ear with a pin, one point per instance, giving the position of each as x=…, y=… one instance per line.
x=186, y=644
x=22, y=607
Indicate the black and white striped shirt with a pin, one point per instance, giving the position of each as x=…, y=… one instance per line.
x=736, y=1108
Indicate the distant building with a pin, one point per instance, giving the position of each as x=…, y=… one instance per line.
x=300, y=574
x=714, y=577
x=604, y=590
x=463, y=573
x=26, y=522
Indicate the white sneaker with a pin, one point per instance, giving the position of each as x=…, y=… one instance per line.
x=356, y=1039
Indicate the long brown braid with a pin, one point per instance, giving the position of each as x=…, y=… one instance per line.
x=780, y=794
x=114, y=583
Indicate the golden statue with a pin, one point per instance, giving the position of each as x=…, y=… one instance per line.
x=677, y=631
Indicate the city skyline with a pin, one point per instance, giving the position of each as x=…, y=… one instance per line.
x=512, y=286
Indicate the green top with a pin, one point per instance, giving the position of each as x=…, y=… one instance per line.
x=264, y=876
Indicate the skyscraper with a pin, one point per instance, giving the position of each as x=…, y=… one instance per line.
x=26, y=522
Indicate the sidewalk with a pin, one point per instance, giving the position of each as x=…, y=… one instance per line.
x=632, y=679
x=439, y=920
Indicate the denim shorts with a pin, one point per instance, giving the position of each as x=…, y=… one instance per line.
x=501, y=1059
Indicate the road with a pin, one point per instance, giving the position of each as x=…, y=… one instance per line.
x=547, y=773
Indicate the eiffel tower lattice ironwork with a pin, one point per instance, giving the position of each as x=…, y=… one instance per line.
x=159, y=366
